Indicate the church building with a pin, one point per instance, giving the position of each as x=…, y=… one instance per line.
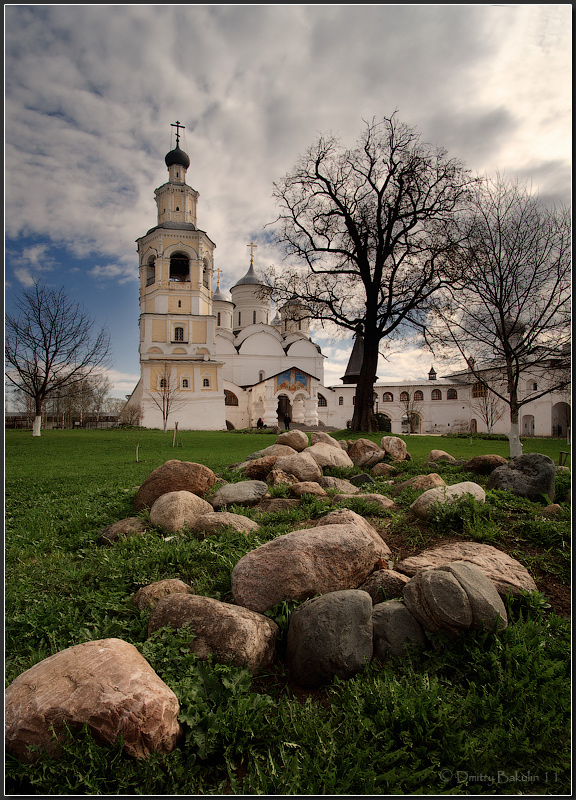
x=207, y=360
x=211, y=361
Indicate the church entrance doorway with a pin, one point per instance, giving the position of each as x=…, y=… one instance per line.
x=284, y=407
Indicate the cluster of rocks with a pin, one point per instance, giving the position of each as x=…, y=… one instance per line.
x=355, y=605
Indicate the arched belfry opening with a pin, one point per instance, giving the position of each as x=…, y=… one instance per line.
x=179, y=267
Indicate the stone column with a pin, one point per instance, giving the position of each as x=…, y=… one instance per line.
x=311, y=411
x=270, y=417
x=298, y=413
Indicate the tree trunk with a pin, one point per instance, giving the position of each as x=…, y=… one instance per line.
x=364, y=419
x=37, y=425
x=514, y=435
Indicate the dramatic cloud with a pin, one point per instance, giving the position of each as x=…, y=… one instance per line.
x=91, y=92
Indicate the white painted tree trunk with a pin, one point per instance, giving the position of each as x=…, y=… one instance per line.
x=37, y=425
x=514, y=439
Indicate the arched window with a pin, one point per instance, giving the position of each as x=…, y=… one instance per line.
x=179, y=267
x=404, y=396
x=418, y=395
x=205, y=276
x=387, y=397
x=178, y=334
x=230, y=398
x=253, y=318
x=479, y=390
x=206, y=383
x=150, y=271
x=218, y=319
x=452, y=394
x=340, y=401
x=163, y=383
x=185, y=383
x=321, y=401
x=261, y=375
x=239, y=318
x=436, y=394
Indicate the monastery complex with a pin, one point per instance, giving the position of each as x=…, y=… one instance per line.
x=209, y=360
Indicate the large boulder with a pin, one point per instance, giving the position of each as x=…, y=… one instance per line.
x=214, y=521
x=423, y=506
x=307, y=562
x=174, y=476
x=148, y=596
x=174, y=511
x=105, y=684
x=231, y=634
x=507, y=574
x=296, y=439
x=455, y=597
x=325, y=455
x=244, y=493
x=329, y=636
x=395, y=448
x=395, y=629
x=484, y=465
x=259, y=468
x=532, y=475
x=345, y=516
x=301, y=465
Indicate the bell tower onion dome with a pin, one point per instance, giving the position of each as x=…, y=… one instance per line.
x=177, y=157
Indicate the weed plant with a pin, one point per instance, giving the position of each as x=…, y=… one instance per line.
x=480, y=714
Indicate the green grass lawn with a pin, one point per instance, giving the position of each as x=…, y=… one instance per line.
x=482, y=715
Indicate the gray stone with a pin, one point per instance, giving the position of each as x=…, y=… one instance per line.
x=395, y=630
x=360, y=480
x=105, y=684
x=532, y=475
x=485, y=603
x=231, y=634
x=330, y=636
x=341, y=484
x=365, y=453
x=244, y=493
x=174, y=511
x=306, y=562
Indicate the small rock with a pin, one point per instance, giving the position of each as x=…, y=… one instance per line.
x=395, y=448
x=360, y=480
x=423, y=505
x=148, y=596
x=271, y=505
x=484, y=465
x=277, y=450
x=420, y=483
x=307, y=487
x=215, y=521
x=229, y=633
x=244, y=493
x=295, y=439
x=259, y=468
x=378, y=499
x=365, y=453
x=439, y=455
x=341, y=484
x=276, y=477
x=123, y=529
x=174, y=511
x=382, y=470
x=384, y=584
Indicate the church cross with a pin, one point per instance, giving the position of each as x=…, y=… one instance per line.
x=251, y=246
x=218, y=277
x=177, y=126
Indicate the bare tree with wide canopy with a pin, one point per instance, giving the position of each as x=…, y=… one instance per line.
x=370, y=229
x=50, y=346
x=508, y=315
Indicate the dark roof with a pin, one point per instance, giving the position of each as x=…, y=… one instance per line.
x=178, y=226
x=177, y=156
x=249, y=278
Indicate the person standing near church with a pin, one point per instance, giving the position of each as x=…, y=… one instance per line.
x=287, y=421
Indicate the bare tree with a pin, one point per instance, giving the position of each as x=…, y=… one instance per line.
x=509, y=316
x=370, y=228
x=488, y=406
x=411, y=407
x=50, y=346
x=167, y=396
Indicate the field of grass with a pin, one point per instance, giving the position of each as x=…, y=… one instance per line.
x=482, y=715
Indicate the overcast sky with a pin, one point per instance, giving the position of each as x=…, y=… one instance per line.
x=91, y=92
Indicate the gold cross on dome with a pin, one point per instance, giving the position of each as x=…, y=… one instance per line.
x=251, y=246
x=218, y=270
